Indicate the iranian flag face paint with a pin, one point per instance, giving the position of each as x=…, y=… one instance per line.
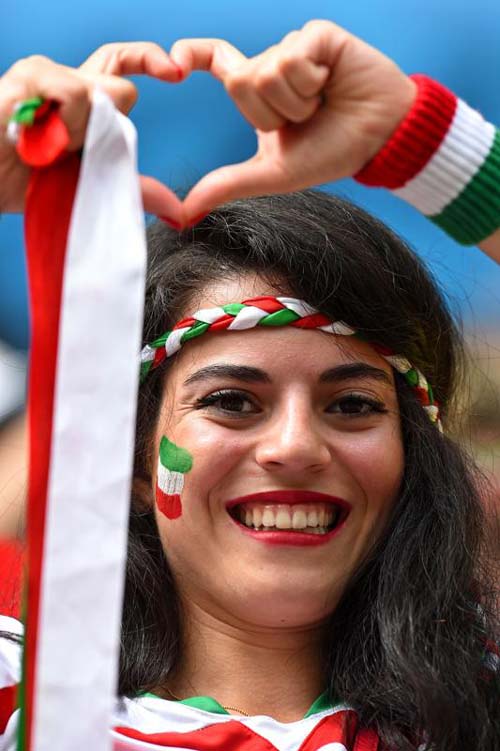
x=173, y=463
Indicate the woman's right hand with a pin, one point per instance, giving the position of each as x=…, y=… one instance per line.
x=72, y=88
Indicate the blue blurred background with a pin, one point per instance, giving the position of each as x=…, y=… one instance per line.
x=186, y=130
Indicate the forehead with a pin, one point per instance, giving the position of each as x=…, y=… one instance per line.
x=283, y=350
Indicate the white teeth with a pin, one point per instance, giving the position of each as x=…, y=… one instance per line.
x=268, y=518
x=283, y=520
x=312, y=519
x=315, y=518
x=257, y=517
x=299, y=519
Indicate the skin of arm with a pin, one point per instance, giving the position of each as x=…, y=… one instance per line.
x=13, y=478
x=491, y=246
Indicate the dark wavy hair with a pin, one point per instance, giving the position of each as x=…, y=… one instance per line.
x=406, y=643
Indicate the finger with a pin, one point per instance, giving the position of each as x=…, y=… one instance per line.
x=161, y=201
x=216, y=56
x=251, y=178
x=132, y=58
x=121, y=91
x=305, y=77
x=252, y=105
x=282, y=97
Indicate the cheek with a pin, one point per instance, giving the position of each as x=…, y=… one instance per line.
x=376, y=461
x=174, y=462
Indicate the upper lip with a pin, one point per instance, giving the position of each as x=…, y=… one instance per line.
x=290, y=498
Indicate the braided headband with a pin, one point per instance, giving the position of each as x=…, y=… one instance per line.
x=276, y=311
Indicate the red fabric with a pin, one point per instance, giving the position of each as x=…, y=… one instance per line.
x=312, y=321
x=416, y=138
x=265, y=302
x=341, y=727
x=222, y=323
x=224, y=736
x=47, y=142
x=7, y=705
x=11, y=567
x=185, y=323
x=48, y=211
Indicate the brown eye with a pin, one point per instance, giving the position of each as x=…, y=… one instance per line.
x=231, y=402
x=357, y=405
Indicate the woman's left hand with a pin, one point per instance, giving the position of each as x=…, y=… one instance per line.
x=322, y=101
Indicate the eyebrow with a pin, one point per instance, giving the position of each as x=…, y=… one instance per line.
x=247, y=374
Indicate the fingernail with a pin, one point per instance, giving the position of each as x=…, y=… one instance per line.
x=171, y=223
x=180, y=72
x=197, y=219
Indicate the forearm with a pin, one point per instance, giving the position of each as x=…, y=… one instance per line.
x=491, y=246
x=13, y=469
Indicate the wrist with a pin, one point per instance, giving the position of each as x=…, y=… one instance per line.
x=444, y=159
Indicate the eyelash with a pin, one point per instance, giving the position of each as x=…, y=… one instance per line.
x=211, y=400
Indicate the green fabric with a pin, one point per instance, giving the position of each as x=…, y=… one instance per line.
x=475, y=212
x=160, y=342
x=25, y=113
x=208, y=704
x=196, y=329
x=321, y=704
x=233, y=308
x=280, y=318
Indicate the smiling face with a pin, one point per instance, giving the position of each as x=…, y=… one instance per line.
x=291, y=431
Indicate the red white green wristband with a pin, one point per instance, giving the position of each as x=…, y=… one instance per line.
x=444, y=159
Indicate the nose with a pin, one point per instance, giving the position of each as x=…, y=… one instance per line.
x=293, y=440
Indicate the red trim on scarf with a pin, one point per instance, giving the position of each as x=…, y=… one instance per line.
x=341, y=727
x=49, y=205
x=222, y=736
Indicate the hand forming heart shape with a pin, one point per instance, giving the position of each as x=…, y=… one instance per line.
x=322, y=102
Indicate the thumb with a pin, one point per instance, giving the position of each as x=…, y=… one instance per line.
x=254, y=177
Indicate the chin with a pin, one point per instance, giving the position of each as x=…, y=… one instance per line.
x=276, y=606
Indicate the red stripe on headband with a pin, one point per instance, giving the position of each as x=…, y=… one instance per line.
x=223, y=323
x=312, y=321
x=266, y=302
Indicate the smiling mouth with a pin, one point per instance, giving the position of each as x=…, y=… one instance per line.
x=289, y=511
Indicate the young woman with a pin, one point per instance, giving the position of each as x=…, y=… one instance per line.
x=307, y=566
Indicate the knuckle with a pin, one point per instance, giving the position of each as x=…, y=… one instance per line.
x=39, y=60
x=27, y=64
x=105, y=49
x=289, y=63
x=265, y=80
x=236, y=83
x=319, y=25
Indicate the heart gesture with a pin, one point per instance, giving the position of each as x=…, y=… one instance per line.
x=322, y=102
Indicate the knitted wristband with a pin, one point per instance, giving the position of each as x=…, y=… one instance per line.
x=444, y=159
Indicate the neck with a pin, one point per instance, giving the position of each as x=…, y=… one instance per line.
x=268, y=671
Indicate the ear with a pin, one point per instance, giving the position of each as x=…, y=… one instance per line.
x=142, y=494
